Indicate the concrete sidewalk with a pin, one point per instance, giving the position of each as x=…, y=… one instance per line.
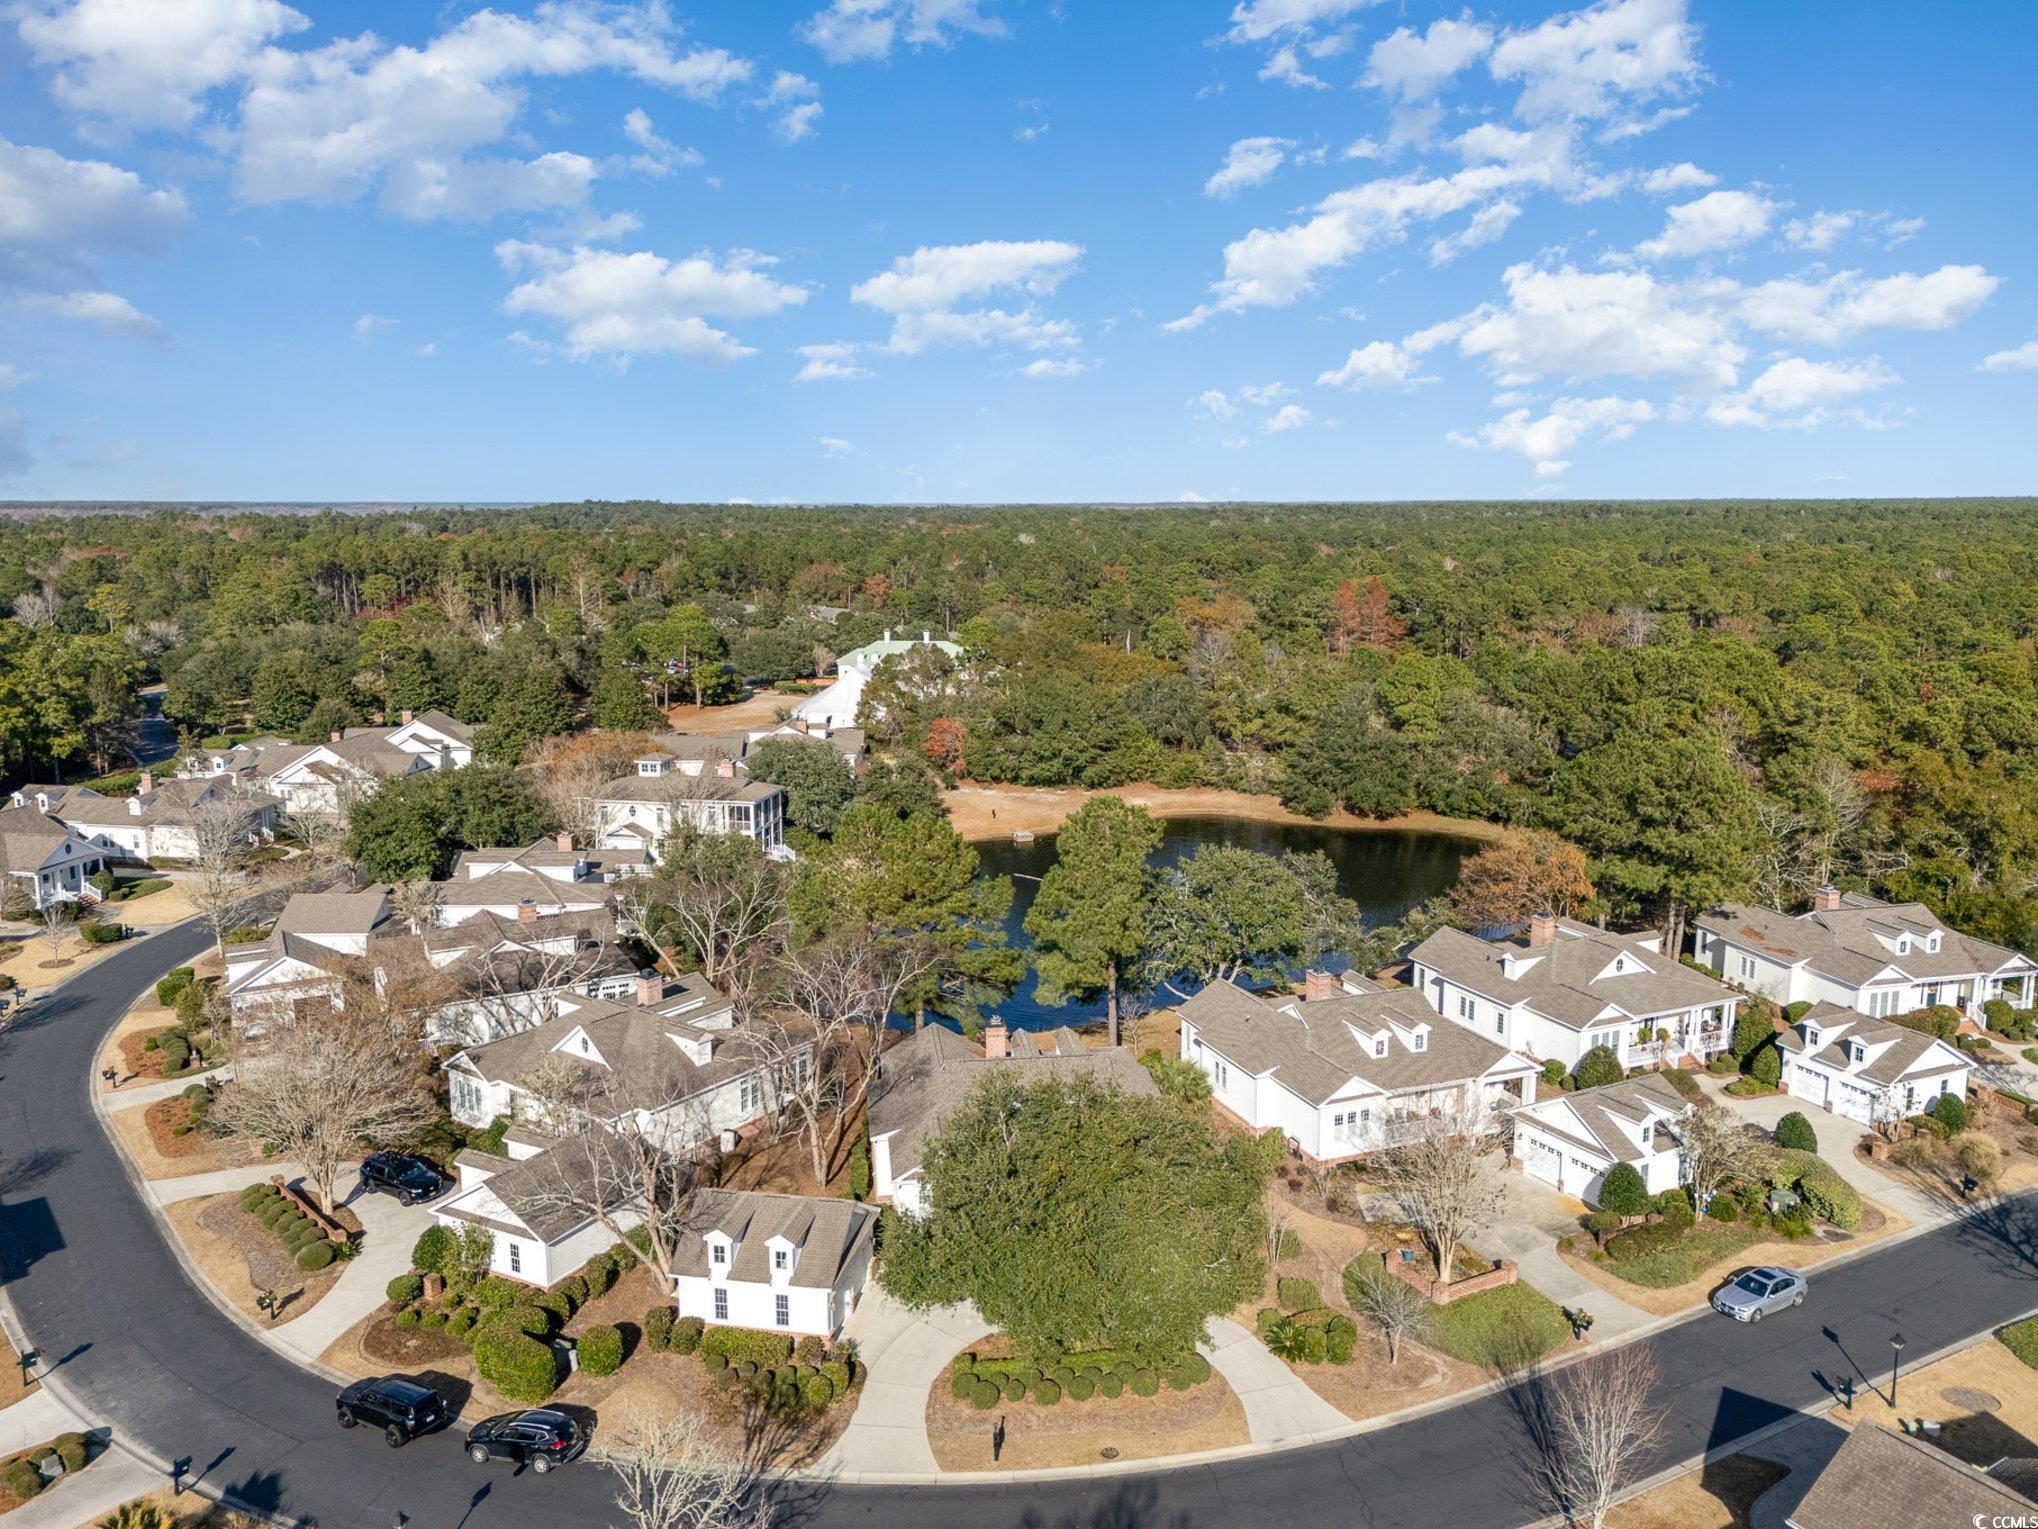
x=135, y=1095
x=1531, y=1219
x=114, y=1478
x=906, y=1352
x=1279, y=1406
x=388, y=1232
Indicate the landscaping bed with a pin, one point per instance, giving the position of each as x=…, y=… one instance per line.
x=1501, y=1329
x=20, y=1479
x=1068, y=1431
x=242, y=1259
x=150, y=1134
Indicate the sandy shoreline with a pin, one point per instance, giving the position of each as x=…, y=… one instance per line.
x=996, y=812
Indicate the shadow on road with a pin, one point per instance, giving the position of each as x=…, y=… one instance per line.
x=1130, y=1505
x=28, y=1233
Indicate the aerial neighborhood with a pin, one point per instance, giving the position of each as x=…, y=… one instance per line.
x=937, y=1051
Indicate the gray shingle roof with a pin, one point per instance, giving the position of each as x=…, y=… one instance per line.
x=507, y=888
x=1598, y=1108
x=924, y=1077
x=28, y=837
x=316, y=913
x=676, y=788
x=1841, y=943
x=827, y=1232
x=1906, y=1046
x=1884, y=1480
x=1310, y=1048
x=1570, y=979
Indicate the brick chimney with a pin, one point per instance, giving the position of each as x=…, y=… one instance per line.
x=333, y=736
x=1826, y=900
x=564, y=843
x=406, y=717
x=146, y=784
x=527, y=912
x=1542, y=930
x=997, y=1039
x=1318, y=985
x=799, y=724
x=726, y=768
x=650, y=990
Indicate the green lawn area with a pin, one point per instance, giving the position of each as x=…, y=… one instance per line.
x=1700, y=1248
x=1500, y=1329
x=2021, y=1339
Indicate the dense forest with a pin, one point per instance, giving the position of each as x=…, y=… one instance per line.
x=1717, y=698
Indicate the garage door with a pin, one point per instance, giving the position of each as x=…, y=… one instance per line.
x=1540, y=1160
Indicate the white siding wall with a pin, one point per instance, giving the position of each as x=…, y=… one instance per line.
x=753, y=1305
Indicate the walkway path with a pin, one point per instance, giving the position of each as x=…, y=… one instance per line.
x=1530, y=1220
x=1279, y=1406
x=906, y=1351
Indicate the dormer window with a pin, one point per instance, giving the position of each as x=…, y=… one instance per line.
x=718, y=1253
x=1903, y=946
x=1811, y=1037
x=781, y=1259
x=1380, y=1047
x=1932, y=942
x=1421, y=1041
x=585, y=1049
x=1857, y=1053
x=1620, y=963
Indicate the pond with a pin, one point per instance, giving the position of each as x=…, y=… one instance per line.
x=1386, y=872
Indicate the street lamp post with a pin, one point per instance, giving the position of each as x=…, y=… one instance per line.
x=1896, y=1364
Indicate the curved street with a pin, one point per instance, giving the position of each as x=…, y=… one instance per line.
x=137, y=1347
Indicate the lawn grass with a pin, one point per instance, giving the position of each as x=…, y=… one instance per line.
x=1501, y=1329
x=2021, y=1339
x=1698, y=1250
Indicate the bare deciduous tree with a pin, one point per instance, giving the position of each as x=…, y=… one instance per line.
x=516, y=986
x=220, y=885
x=1717, y=1148
x=671, y=1475
x=325, y=833
x=1601, y=1418
x=58, y=917
x=831, y=1000
x=318, y=1087
x=722, y=895
x=1443, y=1173
x=1401, y=1312
x=417, y=903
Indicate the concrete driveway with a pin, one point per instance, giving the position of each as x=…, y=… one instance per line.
x=906, y=1351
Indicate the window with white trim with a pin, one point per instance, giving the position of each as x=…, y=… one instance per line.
x=718, y=1253
x=750, y=1095
x=1747, y=966
x=1467, y=1009
x=781, y=1258
x=516, y=1257
x=1220, y=1074
x=782, y=1310
x=721, y=1304
x=1422, y=1040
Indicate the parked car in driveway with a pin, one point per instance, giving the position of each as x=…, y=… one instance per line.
x=1760, y=1291
x=401, y=1408
x=537, y=1436
x=411, y=1179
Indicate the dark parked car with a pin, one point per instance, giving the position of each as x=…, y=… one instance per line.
x=411, y=1179
x=401, y=1408
x=1759, y=1292
x=539, y=1436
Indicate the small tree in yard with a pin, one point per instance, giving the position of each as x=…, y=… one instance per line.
x=1718, y=1148
x=1444, y=1175
x=1599, y=1420
x=317, y=1088
x=1598, y=1067
x=58, y=918
x=1795, y=1132
x=671, y=1475
x=1623, y=1192
x=220, y=886
x=1397, y=1308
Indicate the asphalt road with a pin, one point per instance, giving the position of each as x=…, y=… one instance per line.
x=100, y=1294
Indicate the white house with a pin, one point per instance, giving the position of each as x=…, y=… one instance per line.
x=1868, y=1069
x=638, y=810
x=1572, y=1141
x=787, y=1263
x=43, y=862
x=1344, y=1070
x=297, y=968
x=840, y=702
x=1853, y=950
x=1565, y=988
x=443, y=741
x=160, y=821
x=554, y=857
x=676, y=1061
x=926, y=1076
x=513, y=892
x=526, y=1202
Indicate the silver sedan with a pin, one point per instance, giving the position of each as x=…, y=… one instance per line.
x=1761, y=1291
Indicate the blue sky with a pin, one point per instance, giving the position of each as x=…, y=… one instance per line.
x=993, y=250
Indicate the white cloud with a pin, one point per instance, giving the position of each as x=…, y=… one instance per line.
x=659, y=154
x=54, y=210
x=1544, y=440
x=1379, y=364
x=1900, y=230
x=1212, y=402
x=922, y=292
x=427, y=350
x=368, y=325
x=1190, y=496
x=797, y=101
x=2023, y=358
x=1821, y=231
x=1415, y=67
x=1284, y=66
x=1571, y=323
x=1798, y=393
x=1487, y=225
x=109, y=310
x=835, y=362
x=1679, y=177
x=835, y=446
x=1718, y=220
x=1846, y=303
x=1597, y=61
x=144, y=63
x=1258, y=20
x=1043, y=369
x=1266, y=394
x=331, y=123
x=1249, y=162
x=1290, y=416
x=622, y=305
x=850, y=31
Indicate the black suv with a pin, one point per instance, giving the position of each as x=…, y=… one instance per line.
x=401, y=1408
x=539, y=1436
x=411, y=1179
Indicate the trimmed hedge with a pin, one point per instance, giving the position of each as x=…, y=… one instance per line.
x=434, y=1249
x=1046, y=1392
x=1795, y=1132
x=1623, y=1192
x=1643, y=1240
x=1825, y=1194
x=101, y=934
x=658, y=1329
x=405, y=1288
x=21, y=1478
x=314, y=1256
x=1951, y=1111
x=740, y=1343
x=522, y=1368
x=687, y=1333
x=600, y=1349
x=169, y=986
x=1340, y=1339
x=1297, y=1294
